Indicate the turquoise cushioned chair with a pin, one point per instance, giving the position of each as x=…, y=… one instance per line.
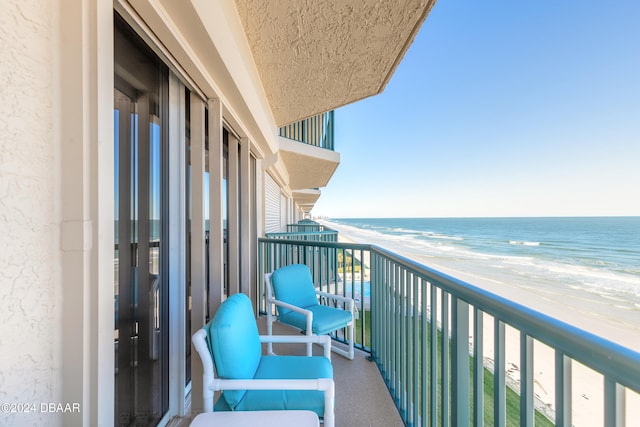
x=250, y=381
x=291, y=290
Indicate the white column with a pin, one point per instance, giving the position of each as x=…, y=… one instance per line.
x=85, y=107
x=177, y=246
x=233, y=225
x=246, y=228
x=260, y=202
x=216, y=272
x=198, y=291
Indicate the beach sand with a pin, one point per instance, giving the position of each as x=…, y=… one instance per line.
x=587, y=385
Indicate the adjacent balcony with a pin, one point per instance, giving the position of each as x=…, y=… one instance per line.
x=306, y=231
x=317, y=131
x=307, y=150
x=441, y=345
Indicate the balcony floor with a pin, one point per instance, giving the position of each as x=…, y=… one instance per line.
x=362, y=398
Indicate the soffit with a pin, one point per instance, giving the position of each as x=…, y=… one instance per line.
x=307, y=171
x=306, y=198
x=307, y=166
x=317, y=55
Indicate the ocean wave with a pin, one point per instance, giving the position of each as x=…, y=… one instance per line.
x=587, y=273
x=401, y=242
x=579, y=272
x=433, y=235
x=518, y=242
x=403, y=230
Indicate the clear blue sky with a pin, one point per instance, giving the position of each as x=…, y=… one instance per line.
x=500, y=108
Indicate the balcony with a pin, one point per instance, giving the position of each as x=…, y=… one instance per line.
x=361, y=394
x=317, y=131
x=306, y=148
x=306, y=231
x=441, y=345
x=306, y=199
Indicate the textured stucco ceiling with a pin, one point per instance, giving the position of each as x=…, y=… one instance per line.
x=308, y=166
x=306, y=198
x=316, y=55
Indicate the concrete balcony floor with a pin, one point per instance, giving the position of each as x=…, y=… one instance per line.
x=362, y=398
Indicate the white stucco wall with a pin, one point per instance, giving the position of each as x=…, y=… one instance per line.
x=30, y=288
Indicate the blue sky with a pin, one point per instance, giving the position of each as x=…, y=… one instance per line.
x=500, y=108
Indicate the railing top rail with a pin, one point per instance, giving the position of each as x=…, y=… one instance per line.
x=609, y=358
x=338, y=245
x=313, y=227
x=300, y=233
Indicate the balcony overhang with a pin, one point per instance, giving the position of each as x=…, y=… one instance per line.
x=308, y=166
x=316, y=56
x=306, y=199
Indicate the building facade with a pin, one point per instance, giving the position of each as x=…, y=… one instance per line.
x=145, y=145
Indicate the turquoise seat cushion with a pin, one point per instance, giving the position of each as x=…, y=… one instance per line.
x=325, y=319
x=235, y=343
x=286, y=367
x=293, y=285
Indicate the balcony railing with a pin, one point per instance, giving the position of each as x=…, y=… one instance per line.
x=317, y=236
x=304, y=227
x=317, y=130
x=306, y=230
x=426, y=333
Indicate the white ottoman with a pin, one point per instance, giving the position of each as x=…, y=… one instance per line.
x=257, y=418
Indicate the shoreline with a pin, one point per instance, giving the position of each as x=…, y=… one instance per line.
x=587, y=385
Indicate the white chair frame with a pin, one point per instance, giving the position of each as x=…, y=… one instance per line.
x=349, y=303
x=211, y=384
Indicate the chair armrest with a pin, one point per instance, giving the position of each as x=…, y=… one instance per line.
x=199, y=341
x=290, y=307
x=349, y=301
x=322, y=384
x=334, y=296
x=308, y=314
x=324, y=340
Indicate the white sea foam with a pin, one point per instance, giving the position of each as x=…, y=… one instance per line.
x=433, y=235
x=403, y=230
x=516, y=242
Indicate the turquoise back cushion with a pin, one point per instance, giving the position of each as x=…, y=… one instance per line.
x=293, y=284
x=235, y=343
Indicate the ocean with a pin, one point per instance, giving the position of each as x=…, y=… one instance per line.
x=590, y=265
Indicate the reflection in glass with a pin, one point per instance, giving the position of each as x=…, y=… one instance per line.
x=140, y=304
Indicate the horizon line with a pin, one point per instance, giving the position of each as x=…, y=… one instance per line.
x=474, y=217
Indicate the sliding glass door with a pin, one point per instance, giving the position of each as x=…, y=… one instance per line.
x=141, y=306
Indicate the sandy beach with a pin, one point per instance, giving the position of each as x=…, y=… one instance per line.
x=587, y=386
